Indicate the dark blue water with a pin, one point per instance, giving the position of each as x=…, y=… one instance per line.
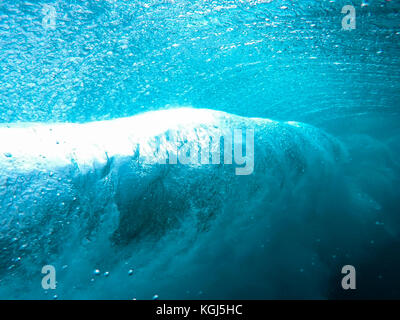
x=320, y=197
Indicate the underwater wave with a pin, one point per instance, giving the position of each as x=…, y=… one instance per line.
x=86, y=197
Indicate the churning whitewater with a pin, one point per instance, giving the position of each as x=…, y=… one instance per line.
x=73, y=186
x=90, y=196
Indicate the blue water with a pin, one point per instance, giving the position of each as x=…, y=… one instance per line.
x=325, y=188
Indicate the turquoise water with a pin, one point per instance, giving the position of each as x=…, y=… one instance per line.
x=320, y=197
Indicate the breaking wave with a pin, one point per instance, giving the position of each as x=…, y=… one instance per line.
x=85, y=197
